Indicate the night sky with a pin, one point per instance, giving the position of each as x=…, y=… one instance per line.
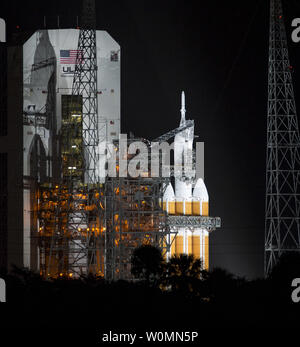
x=217, y=52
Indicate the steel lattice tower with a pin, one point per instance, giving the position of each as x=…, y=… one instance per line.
x=76, y=246
x=85, y=84
x=282, y=232
x=82, y=181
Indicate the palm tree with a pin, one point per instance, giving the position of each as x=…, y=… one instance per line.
x=147, y=264
x=184, y=274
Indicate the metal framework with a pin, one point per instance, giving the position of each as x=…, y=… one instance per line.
x=165, y=137
x=133, y=214
x=208, y=223
x=133, y=217
x=282, y=232
x=71, y=227
x=85, y=84
x=88, y=227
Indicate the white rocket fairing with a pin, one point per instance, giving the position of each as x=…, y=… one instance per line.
x=200, y=190
x=169, y=199
x=169, y=193
x=200, y=195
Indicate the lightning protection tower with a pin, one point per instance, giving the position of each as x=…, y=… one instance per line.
x=76, y=245
x=82, y=179
x=282, y=232
x=85, y=85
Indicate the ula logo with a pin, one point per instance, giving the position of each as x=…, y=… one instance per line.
x=2, y=30
x=2, y=290
x=296, y=292
x=296, y=32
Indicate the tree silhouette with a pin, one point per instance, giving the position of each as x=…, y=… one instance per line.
x=183, y=274
x=220, y=285
x=221, y=297
x=147, y=264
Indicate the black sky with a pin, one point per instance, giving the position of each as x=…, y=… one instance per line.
x=217, y=51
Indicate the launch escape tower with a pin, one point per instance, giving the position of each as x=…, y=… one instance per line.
x=282, y=230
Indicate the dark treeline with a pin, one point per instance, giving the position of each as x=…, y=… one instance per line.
x=167, y=295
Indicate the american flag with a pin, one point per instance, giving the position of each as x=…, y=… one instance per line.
x=69, y=56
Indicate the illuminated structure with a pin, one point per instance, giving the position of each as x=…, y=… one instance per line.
x=187, y=207
x=76, y=221
x=63, y=130
x=133, y=217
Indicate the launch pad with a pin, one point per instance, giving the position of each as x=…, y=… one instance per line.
x=76, y=219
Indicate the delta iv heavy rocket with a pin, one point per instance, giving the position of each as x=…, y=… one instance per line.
x=189, y=199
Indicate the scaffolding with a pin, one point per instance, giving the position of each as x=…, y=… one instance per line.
x=70, y=240
x=134, y=217
x=208, y=223
x=68, y=246
x=86, y=226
